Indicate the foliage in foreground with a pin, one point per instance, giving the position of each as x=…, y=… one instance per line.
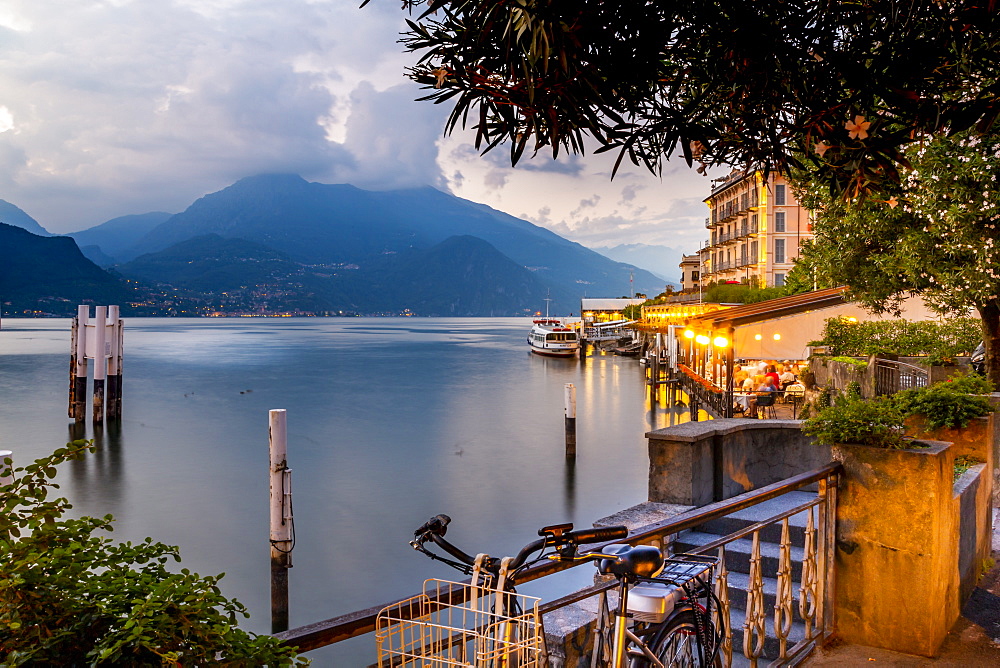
x=879, y=422
x=69, y=596
x=953, y=403
x=875, y=422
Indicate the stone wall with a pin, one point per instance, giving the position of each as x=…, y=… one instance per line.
x=696, y=463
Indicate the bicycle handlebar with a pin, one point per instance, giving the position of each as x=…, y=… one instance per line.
x=561, y=537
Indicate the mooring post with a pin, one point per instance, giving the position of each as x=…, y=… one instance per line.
x=100, y=362
x=570, y=412
x=282, y=522
x=120, y=330
x=112, y=363
x=74, y=324
x=6, y=468
x=80, y=377
x=654, y=376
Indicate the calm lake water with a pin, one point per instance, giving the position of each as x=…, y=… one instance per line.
x=390, y=421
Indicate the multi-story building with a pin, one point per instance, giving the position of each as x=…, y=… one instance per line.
x=757, y=227
x=690, y=272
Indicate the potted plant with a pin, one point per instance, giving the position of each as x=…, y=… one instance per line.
x=897, y=529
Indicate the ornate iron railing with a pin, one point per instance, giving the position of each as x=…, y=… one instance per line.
x=814, y=608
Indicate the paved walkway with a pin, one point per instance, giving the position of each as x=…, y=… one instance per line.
x=974, y=640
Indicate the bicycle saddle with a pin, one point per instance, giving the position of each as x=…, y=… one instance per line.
x=639, y=561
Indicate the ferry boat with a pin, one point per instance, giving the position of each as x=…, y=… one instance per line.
x=551, y=337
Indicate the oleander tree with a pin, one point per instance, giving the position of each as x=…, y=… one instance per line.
x=937, y=234
x=72, y=596
x=839, y=87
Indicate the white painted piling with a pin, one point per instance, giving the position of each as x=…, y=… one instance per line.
x=569, y=409
x=282, y=522
x=100, y=361
x=80, y=377
x=113, y=404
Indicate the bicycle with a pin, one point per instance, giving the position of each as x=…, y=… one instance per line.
x=666, y=613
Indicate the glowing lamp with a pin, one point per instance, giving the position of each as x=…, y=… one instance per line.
x=757, y=337
x=720, y=342
x=688, y=334
x=777, y=337
x=702, y=339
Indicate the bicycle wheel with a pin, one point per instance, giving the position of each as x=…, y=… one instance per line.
x=676, y=644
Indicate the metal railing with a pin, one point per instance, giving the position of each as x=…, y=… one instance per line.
x=707, y=395
x=814, y=606
x=892, y=376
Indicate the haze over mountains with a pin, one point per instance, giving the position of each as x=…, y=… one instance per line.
x=278, y=242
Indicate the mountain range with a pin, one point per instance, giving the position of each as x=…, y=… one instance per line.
x=278, y=242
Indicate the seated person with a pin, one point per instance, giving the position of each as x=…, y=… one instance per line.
x=786, y=378
x=772, y=373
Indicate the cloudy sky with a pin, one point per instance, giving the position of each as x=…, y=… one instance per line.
x=114, y=107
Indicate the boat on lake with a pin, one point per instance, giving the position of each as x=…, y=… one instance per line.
x=553, y=338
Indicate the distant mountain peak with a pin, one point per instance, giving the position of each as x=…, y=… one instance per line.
x=13, y=215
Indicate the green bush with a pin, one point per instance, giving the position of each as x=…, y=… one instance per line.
x=948, y=404
x=941, y=342
x=72, y=597
x=853, y=390
x=875, y=422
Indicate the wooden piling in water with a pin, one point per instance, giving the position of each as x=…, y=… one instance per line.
x=100, y=362
x=71, y=409
x=282, y=522
x=79, y=393
x=569, y=409
x=113, y=404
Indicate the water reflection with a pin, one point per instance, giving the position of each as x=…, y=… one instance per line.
x=100, y=474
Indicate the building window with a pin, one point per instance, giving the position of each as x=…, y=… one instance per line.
x=779, y=279
x=779, y=251
x=694, y=275
x=753, y=223
x=753, y=250
x=779, y=195
x=779, y=221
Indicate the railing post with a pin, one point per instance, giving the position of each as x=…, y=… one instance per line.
x=828, y=538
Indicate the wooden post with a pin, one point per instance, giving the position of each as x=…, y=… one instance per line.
x=654, y=376
x=100, y=362
x=80, y=377
x=282, y=523
x=6, y=470
x=120, y=329
x=113, y=365
x=569, y=405
x=74, y=324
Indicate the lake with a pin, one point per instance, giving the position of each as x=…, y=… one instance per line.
x=390, y=421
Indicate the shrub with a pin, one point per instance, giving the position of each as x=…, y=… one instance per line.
x=853, y=390
x=71, y=597
x=948, y=404
x=875, y=422
x=941, y=342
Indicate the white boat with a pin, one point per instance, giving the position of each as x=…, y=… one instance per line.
x=552, y=337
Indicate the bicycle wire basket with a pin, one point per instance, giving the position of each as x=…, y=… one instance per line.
x=459, y=624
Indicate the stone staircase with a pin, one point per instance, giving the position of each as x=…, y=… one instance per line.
x=738, y=562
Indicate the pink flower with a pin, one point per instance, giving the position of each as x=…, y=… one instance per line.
x=822, y=148
x=858, y=128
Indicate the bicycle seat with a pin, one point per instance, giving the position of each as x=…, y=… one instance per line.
x=639, y=561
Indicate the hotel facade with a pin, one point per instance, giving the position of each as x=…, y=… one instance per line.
x=757, y=228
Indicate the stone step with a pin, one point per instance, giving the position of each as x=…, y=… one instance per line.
x=771, y=644
x=740, y=582
x=762, y=511
x=738, y=553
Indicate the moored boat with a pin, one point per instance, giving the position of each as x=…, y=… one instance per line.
x=552, y=337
